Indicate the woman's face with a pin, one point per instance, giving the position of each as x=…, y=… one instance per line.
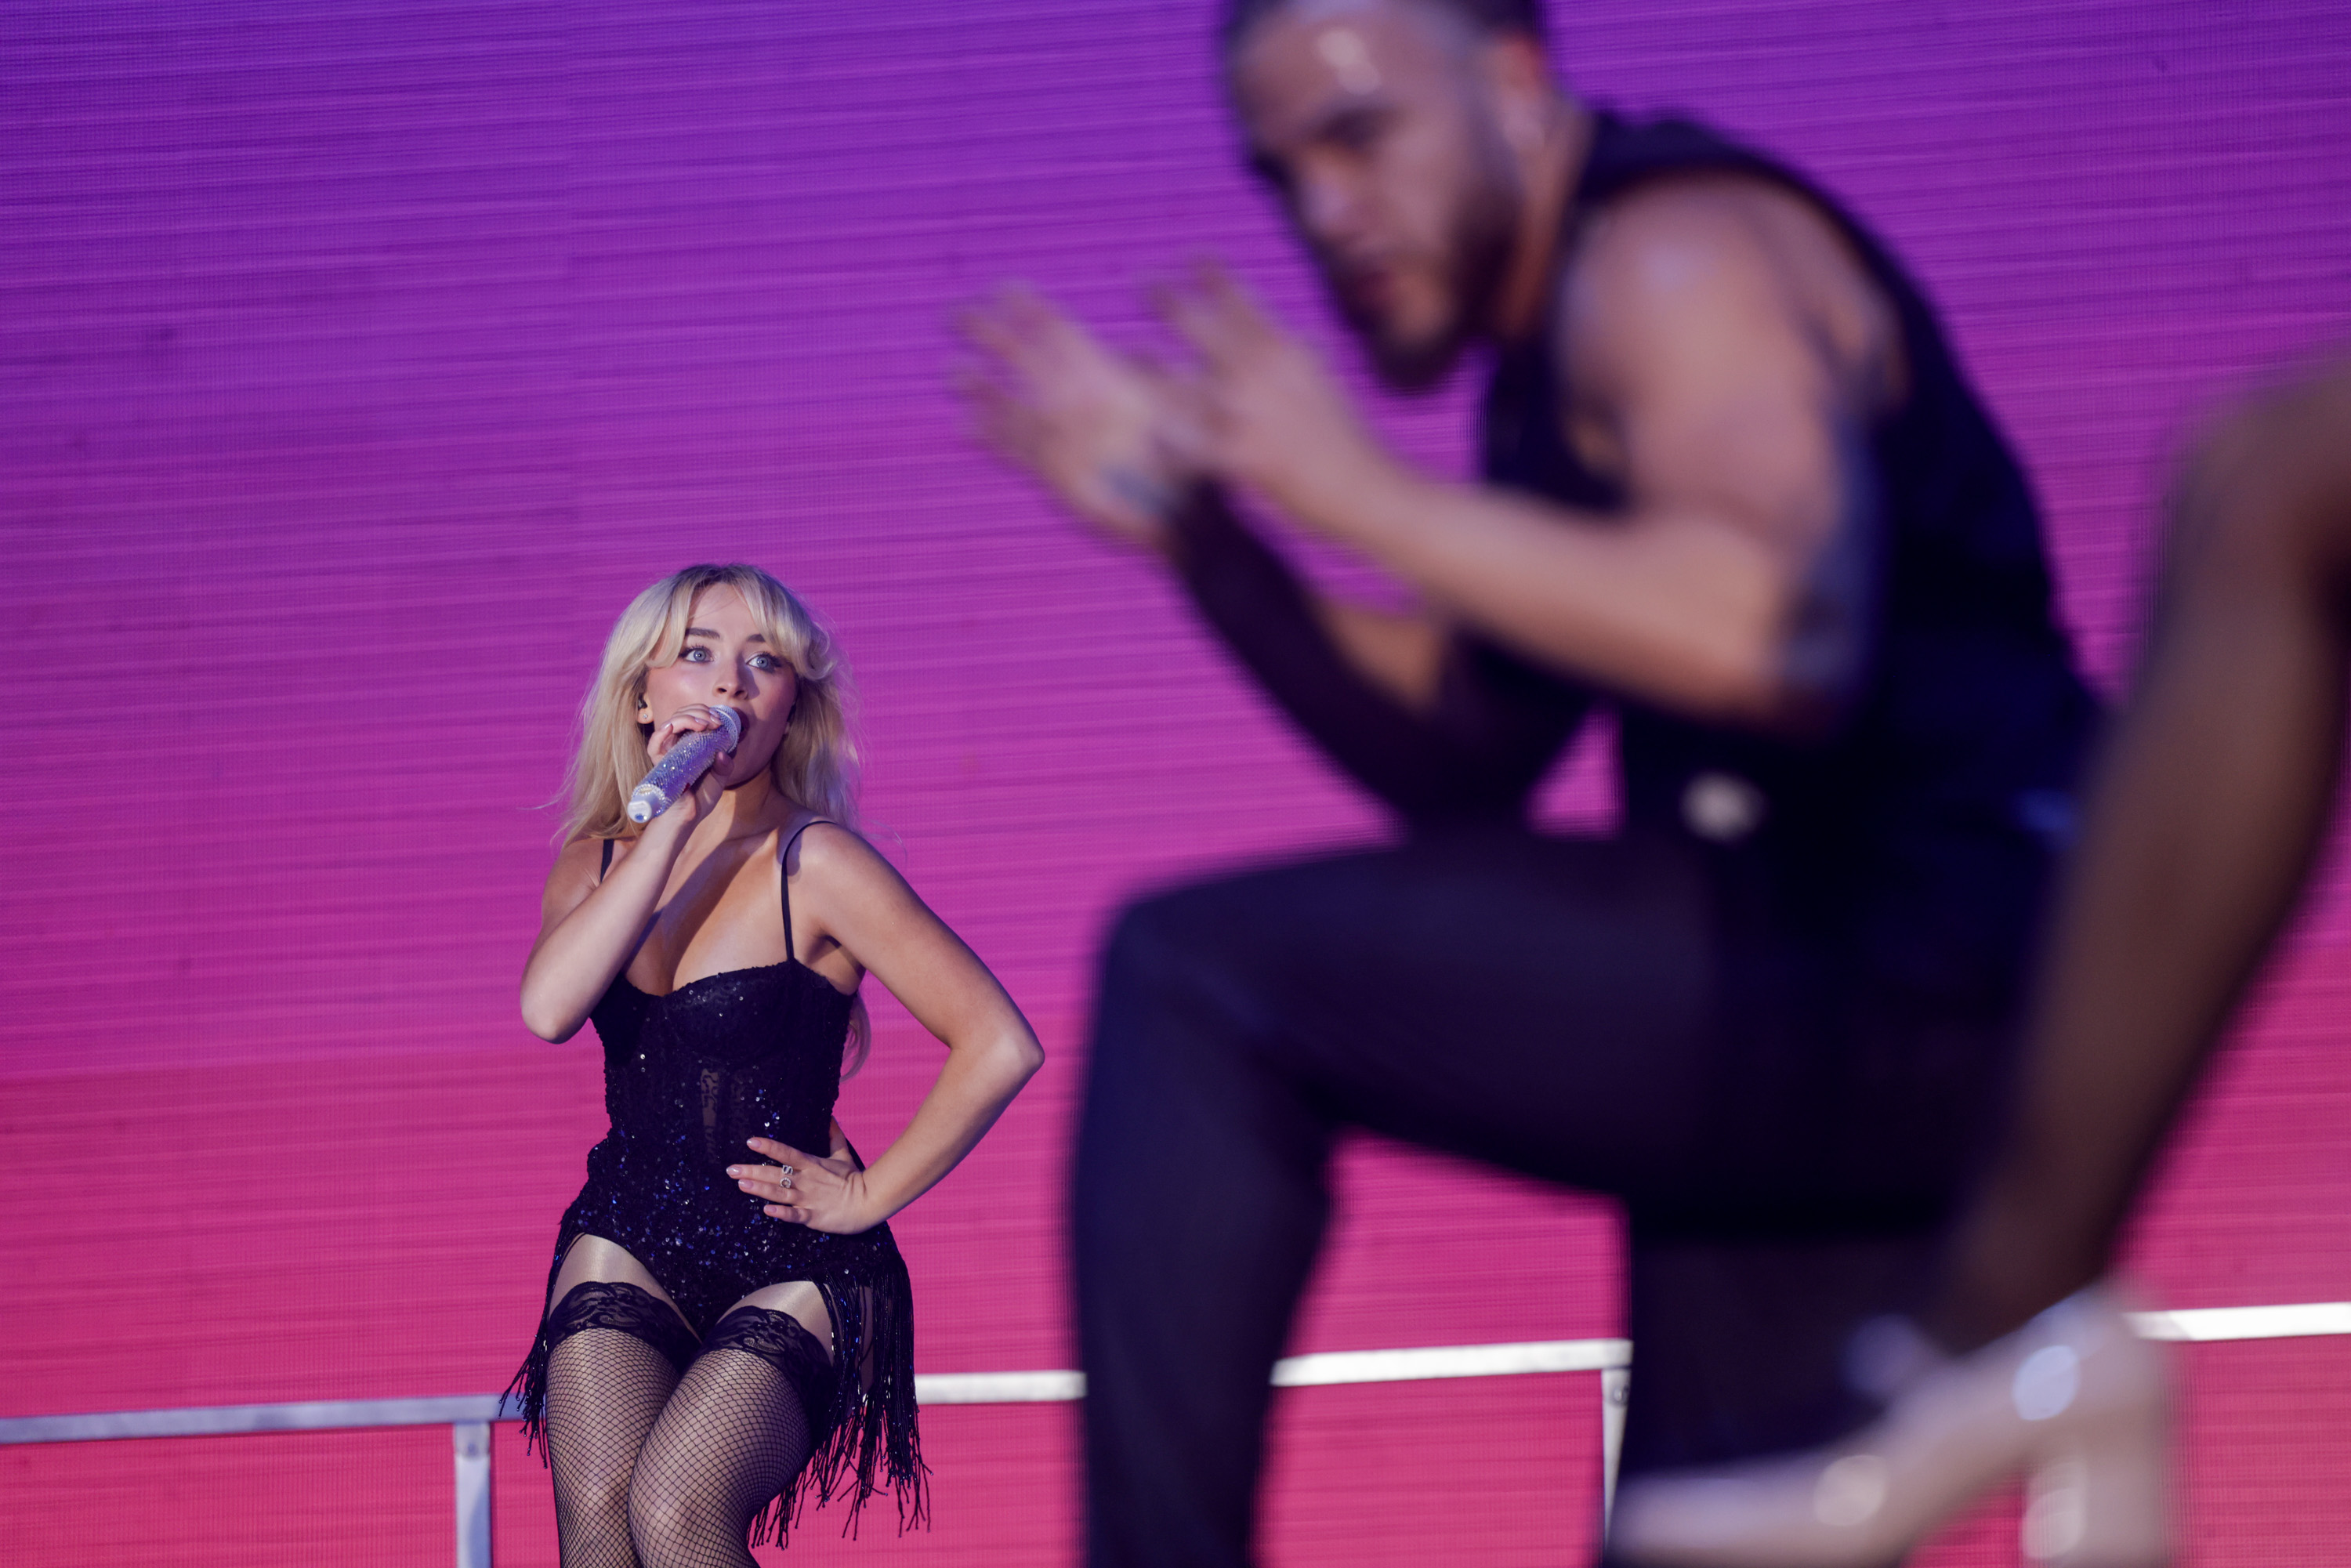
x=726, y=662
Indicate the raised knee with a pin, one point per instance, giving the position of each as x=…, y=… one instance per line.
x=2266, y=495
x=1158, y=943
x=1143, y=930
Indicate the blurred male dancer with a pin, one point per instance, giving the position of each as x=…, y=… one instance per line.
x=1735, y=489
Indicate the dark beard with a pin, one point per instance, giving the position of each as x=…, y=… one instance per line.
x=1484, y=234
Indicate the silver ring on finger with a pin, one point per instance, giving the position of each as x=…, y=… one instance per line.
x=787, y=1180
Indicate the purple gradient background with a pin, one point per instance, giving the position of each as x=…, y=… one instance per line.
x=357, y=361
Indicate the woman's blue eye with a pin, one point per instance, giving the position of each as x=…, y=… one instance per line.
x=696, y=654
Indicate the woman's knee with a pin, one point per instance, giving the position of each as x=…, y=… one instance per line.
x=674, y=1523
x=592, y=1498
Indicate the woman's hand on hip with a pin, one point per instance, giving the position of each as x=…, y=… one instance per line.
x=827, y=1195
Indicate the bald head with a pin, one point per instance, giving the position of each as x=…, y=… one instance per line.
x=1397, y=134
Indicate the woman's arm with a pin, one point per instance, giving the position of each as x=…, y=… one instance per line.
x=859, y=900
x=840, y=1141
x=588, y=930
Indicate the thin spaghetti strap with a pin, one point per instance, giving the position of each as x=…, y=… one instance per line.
x=604, y=869
x=784, y=881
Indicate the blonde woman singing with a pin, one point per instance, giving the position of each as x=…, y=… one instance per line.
x=728, y=1324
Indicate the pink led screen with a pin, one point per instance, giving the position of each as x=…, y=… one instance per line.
x=357, y=361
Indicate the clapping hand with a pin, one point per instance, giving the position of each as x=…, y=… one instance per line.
x=1105, y=432
x=1267, y=411
x=1119, y=438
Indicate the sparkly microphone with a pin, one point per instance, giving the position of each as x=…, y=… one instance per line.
x=682, y=764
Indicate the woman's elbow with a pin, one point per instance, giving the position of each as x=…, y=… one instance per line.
x=546, y=1021
x=1031, y=1056
x=1021, y=1056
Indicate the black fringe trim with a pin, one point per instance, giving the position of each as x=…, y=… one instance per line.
x=872, y=1436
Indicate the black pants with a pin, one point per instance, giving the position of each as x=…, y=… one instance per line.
x=1608, y=1016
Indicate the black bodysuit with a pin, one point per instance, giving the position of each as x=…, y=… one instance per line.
x=1773, y=1015
x=688, y=1077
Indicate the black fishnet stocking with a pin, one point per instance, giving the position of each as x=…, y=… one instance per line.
x=2199, y=836
x=606, y=1386
x=733, y=1436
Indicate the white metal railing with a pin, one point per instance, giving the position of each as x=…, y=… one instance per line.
x=469, y=1416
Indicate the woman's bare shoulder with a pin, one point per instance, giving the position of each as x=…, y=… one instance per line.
x=826, y=850
x=577, y=867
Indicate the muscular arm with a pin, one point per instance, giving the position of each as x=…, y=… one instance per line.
x=1728, y=350
x=1434, y=725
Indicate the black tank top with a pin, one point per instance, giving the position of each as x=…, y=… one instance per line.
x=1916, y=834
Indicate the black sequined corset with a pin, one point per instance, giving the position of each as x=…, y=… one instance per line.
x=689, y=1076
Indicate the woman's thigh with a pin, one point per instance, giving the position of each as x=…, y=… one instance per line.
x=803, y=1300
x=598, y=1260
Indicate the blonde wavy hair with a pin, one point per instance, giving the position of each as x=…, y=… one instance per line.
x=816, y=766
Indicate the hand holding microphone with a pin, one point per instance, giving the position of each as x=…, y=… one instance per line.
x=679, y=767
